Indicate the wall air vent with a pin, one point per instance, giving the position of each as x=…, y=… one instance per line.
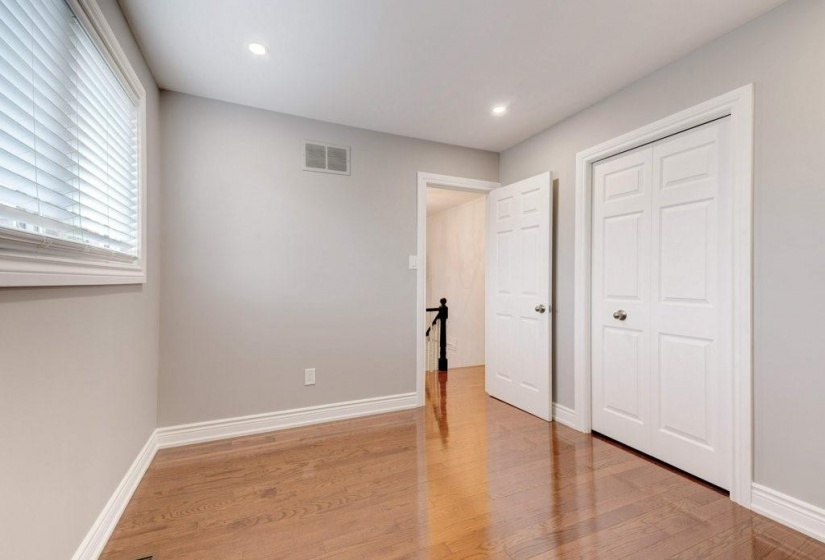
x=326, y=158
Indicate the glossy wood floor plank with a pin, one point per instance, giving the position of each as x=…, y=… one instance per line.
x=465, y=477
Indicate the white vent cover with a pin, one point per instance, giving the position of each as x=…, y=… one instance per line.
x=326, y=158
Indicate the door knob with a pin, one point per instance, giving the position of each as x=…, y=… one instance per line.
x=621, y=315
x=540, y=308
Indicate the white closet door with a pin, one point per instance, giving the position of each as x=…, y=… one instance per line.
x=661, y=300
x=691, y=327
x=519, y=248
x=621, y=298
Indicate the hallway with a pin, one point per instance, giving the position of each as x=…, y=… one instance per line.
x=466, y=476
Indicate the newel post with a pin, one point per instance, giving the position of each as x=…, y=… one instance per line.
x=442, y=350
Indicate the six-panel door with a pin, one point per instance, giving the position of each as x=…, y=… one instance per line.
x=518, y=335
x=662, y=225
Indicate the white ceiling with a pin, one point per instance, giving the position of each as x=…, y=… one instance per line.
x=424, y=68
x=439, y=200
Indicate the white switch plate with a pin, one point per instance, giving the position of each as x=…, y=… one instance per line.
x=309, y=376
x=413, y=262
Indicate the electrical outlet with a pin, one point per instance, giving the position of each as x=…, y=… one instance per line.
x=452, y=343
x=309, y=376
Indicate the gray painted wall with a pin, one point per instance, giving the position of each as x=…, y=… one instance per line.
x=78, y=384
x=783, y=53
x=273, y=269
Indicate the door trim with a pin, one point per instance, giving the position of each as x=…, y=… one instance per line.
x=737, y=104
x=445, y=182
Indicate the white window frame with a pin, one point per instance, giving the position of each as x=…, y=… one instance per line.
x=50, y=266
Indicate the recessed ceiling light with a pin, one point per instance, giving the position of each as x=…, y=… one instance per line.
x=499, y=110
x=257, y=48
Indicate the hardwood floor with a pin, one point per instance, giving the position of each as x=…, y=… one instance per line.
x=466, y=476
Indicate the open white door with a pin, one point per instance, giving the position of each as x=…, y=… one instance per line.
x=518, y=330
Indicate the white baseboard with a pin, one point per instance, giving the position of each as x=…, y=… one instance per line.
x=796, y=514
x=173, y=436
x=97, y=537
x=199, y=432
x=564, y=415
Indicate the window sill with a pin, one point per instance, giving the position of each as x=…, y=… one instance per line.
x=29, y=269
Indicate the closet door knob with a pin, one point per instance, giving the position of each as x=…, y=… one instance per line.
x=621, y=315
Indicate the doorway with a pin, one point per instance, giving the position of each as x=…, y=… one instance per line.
x=456, y=224
x=517, y=286
x=451, y=265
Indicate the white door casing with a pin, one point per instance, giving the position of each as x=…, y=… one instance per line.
x=518, y=333
x=661, y=300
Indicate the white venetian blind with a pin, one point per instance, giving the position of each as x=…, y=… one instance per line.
x=68, y=136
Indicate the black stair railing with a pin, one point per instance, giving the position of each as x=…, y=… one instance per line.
x=441, y=319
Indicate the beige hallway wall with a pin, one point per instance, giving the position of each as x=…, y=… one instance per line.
x=455, y=270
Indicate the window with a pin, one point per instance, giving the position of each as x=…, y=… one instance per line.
x=71, y=176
